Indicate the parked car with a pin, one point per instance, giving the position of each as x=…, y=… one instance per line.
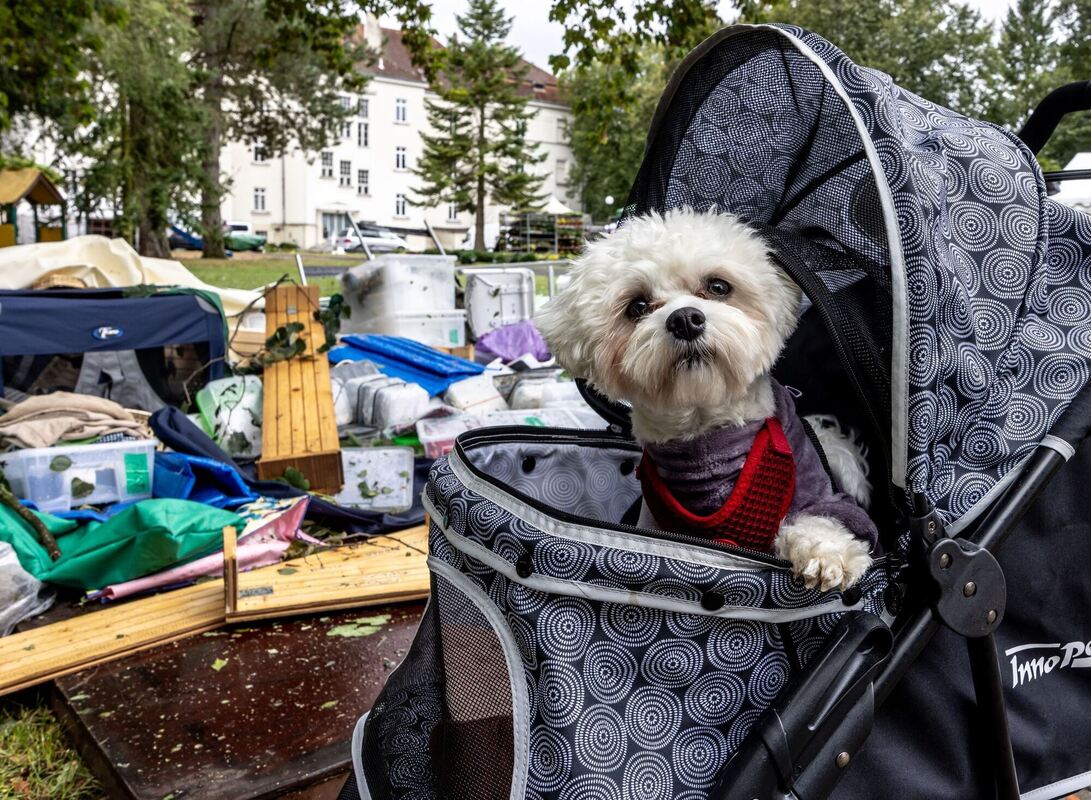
x=379, y=240
x=237, y=236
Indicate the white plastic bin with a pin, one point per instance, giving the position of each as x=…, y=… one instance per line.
x=437, y=435
x=498, y=296
x=377, y=478
x=394, y=284
x=434, y=328
x=60, y=478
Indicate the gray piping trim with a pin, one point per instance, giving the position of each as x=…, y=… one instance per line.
x=520, y=701
x=604, y=594
x=636, y=543
x=1060, y=445
x=978, y=508
x=1059, y=788
x=358, y=757
x=899, y=397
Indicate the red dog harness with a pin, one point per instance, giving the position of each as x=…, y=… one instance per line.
x=759, y=501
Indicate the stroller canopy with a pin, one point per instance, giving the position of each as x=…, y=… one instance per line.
x=963, y=288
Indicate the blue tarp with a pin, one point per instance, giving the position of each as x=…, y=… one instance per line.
x=406, y=359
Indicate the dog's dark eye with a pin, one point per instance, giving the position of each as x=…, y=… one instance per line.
x=637, y=308
x=718, y=287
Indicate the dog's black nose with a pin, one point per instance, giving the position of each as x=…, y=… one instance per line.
x=686, y=323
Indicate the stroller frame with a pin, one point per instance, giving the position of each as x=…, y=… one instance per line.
x=804, y=742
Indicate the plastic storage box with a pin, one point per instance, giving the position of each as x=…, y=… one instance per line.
x=498, y=296
x=60, y=478
x=393, y=284
x=377, y=478
x=434, y=328
x=437, y=435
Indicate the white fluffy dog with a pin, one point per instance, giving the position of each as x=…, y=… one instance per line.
x=682, y=315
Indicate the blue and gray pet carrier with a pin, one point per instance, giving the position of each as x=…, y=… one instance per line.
x=565, y=655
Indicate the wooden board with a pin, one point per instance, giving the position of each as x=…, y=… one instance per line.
x=394, y=570
x=299, y=428
x=363, y=574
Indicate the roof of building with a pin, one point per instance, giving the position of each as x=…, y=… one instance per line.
x=397, y=63
x=29, y=183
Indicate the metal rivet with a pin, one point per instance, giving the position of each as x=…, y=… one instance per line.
x=991, y=616
x=843, y=760
x=945, y=560
x=931, y=526
x=524, y=567
x=529, y=463
x=970, y=589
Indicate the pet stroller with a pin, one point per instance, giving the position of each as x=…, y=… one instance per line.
x=566, y=655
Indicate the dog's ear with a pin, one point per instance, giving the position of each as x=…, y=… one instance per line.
x=560, y=324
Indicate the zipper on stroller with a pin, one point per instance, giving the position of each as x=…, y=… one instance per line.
x=507, y=434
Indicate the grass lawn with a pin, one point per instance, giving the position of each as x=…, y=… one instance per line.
x=36, y=761
x=254, y=270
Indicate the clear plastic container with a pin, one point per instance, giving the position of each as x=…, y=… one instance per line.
x=433, y=328
x=476, y=395
x=377, y=478
x=61, y=478
x=437, y=435
x=231, y=410
x=394, y=284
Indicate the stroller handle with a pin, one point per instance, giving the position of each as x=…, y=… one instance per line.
x=1063, y=100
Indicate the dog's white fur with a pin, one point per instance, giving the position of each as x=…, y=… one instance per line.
x=678, y=389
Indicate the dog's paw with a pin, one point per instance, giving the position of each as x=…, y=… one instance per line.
x=822, y=552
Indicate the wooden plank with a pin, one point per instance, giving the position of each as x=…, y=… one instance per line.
x=230, y=571
x=374, y=571
x=393, y=569
x=300, y=428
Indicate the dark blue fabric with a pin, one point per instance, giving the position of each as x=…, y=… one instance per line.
x=105, y=319
x=201, y=479
x=411, y=361
x=177, y=431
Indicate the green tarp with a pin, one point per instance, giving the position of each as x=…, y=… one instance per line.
x=144, y=538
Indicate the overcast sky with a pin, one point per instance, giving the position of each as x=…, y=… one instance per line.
x=538, y=38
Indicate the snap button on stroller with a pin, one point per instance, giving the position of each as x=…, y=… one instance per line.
x=565, y=655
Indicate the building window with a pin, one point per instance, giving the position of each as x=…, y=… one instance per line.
x=346, y=130
x=452, y=212
x=399, y=205
x=327, y=164
x=346, y=173
x=562, y=130
x=561, y=173
x=399, y=158
x=346, y=102
x=363, y=181
x=401, y=110
x=259, y=198
x=259, y=155
x=362, y=135
x=361, y=107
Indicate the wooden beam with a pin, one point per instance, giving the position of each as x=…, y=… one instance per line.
x=378, y=570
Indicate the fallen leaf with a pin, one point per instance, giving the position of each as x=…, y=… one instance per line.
x=328, y=704
x=60, y=464
x=219, y=664
x=287, y=571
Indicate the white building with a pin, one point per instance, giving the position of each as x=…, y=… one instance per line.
x=307, y=197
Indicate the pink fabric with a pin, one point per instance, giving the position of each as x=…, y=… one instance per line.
x=262, y=542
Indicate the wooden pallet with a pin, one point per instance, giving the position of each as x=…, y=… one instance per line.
x=380, y=570
x=298, y=424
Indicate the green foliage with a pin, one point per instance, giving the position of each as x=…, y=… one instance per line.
x=293, y=477
x=608, y=136
x=479, y=149
x=331, y=317
x=141, y=152
x=42, y=46
x=36, y=759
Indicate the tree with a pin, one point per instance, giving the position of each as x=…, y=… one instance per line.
x=1074, y=64
x=270, y=73
x=478, y=150
x=1025, y=62
x=42, y=44
x=607, y=137
x=140, y=153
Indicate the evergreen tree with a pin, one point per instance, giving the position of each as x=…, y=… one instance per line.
x=1025, y=63
x=477, y=150
x=1073, y=135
